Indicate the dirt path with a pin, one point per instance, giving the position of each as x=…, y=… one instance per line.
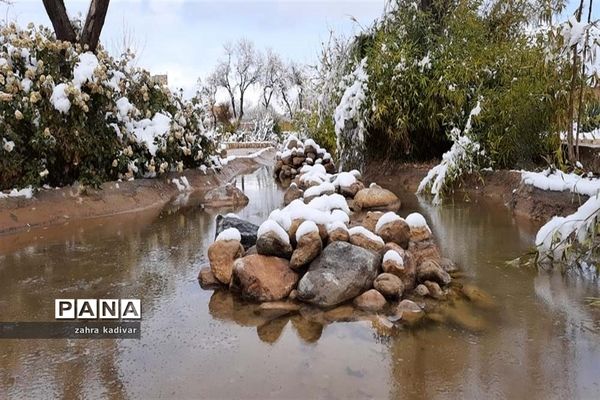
x=133, y=198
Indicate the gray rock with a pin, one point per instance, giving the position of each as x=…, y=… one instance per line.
x=247, y=229
x=341, y=272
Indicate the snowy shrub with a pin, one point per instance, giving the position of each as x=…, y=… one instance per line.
x=67, y=115
x=464, y=157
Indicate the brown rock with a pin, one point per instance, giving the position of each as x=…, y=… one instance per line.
x=270, y=244
x=424, y=250
x=309, y=247
x=370, y=220
x=421, y=290
x=361, y=240
x=339, y=235
x=448, y=265
x=407, y=271
x=429, y=270
x=329, y=167
x=292, y=193
x=408, y=311
x=221, y=255
x=389, y=285
x=418, y=234
x=297, y=161
x=263, y=278
x=207, y=279
x=396, y=231
x=376, y=198
x=251, y=250
x=350, y=191
x=434, y=290
x=225, y=196
x=371, y=300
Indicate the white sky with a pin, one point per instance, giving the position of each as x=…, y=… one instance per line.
x=184, y=38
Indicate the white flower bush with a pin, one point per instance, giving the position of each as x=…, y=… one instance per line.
x=70, y=115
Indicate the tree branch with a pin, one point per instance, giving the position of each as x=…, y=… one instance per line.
x=93, y=23
x=60, y=20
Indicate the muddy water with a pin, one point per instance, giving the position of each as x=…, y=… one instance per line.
x=542, y=340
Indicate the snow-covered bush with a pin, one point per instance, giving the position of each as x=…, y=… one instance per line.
x=68, y=115
x=464, y=157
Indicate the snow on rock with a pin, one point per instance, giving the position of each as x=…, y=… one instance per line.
x=559, y=181
x=60, y=98
x=336, y=225
x=340, y=216
x=329, y=203
x=385, y=219
x=393, y=256
x=344, y=179
x=416, y=220
x=361, y=230
x=229, y=234
x=319, y=189
x=305, y=228
x=270, y=226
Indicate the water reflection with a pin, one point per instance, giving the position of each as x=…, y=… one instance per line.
x=541, y=340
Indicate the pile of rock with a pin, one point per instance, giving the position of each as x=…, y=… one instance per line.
x=295, y=154
x=335, y=241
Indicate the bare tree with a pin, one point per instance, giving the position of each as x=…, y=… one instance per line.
x=223, y=76
x=291, y=88
x=64, y=30
x=272, y=73
x=247, y=68
x=208, y=95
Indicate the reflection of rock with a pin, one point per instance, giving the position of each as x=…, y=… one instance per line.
x=462, y=315
x=343, y=313
x=263, y=278
x=247, y=229
x=340, y=273
x=207, y=279
x=376, y=198
x=478, y=297
x=292, y=193
x=272, y=244
x=225, y=196
x=430, y=270
x=226, y=306
x=307, y=330
x=396, y=231
x=389, y=285
x=221, y=255
x=288, y=306
x=271, y=331
x=371, y=300
x=308, y=248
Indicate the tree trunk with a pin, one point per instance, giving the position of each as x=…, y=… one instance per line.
x=583, y=81
x=60, y=20
x=241, y=104
x=574, y=73
x=94, y=23
x=232, y=100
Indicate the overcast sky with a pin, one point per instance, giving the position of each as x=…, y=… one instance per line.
x=184, y=38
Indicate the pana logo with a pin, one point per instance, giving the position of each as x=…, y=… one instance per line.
x=97, y=309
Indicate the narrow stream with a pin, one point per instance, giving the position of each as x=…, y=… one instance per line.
x=541, y=341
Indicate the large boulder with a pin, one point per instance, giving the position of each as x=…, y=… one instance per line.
x=225, y=196
x=247, y=229
x=273, y=240
x=376, y=198
x=221, y=255
x=371, y=300
x=340, y=273
x=263, y=278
